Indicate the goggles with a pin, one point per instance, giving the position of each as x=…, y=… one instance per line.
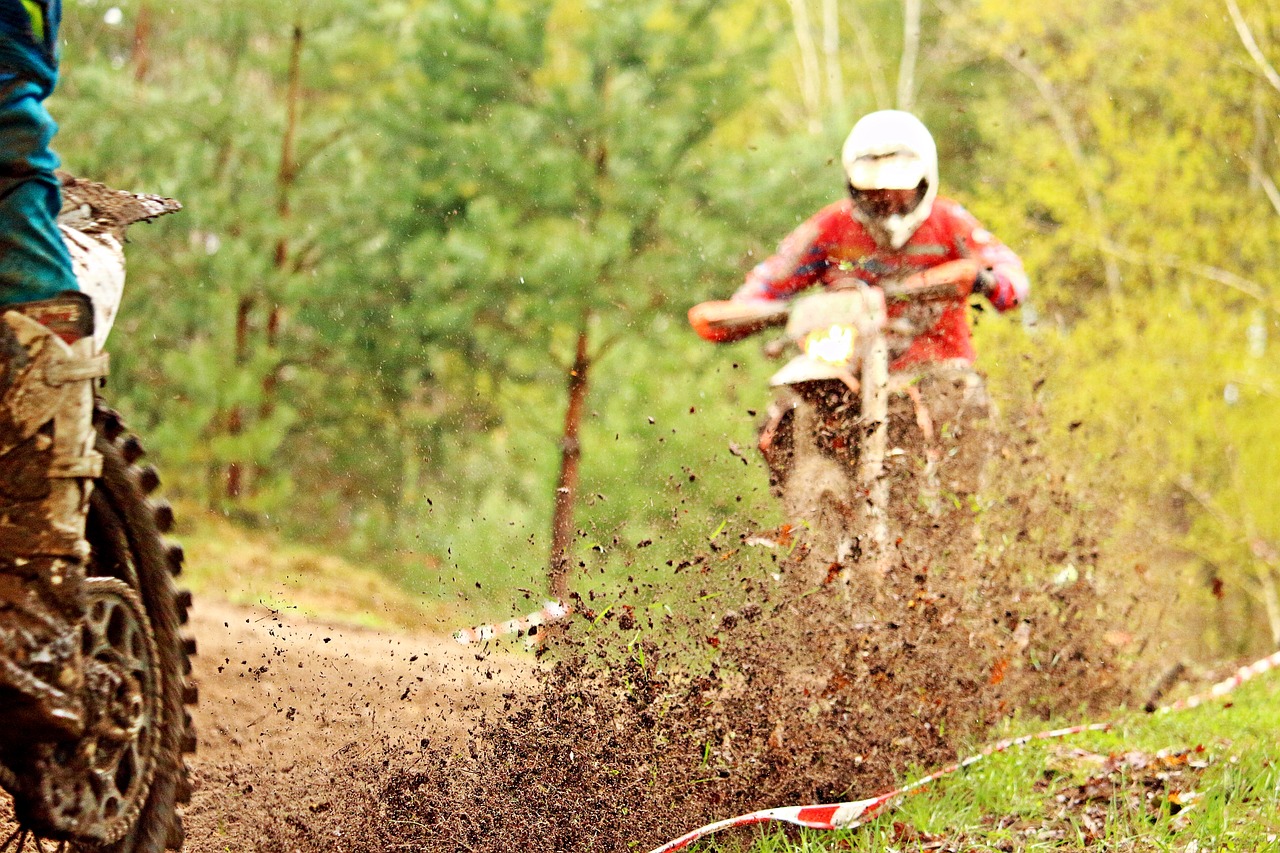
x=882, y=204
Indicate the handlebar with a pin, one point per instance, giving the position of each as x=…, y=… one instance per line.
x=728, y=320
x=725, y=320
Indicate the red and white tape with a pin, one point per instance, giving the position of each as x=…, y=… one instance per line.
x=552, y=611
x=853, y=814
x=850, y=815
x=1222, y=688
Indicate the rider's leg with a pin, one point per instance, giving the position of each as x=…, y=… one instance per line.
x=46, y=397
x=34, y=263
x=48, y=463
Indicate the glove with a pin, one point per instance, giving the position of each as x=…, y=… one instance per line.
x=984, y=283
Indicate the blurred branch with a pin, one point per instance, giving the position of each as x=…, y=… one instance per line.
x=1265, y=181
x=1246, y=38
x=785, y=108
x=1224, y=277
x=1264, y=388
x=831, y=53
x=875, y=68
x=304, y=160
x=1061, y=118
x=910, y=53
x=809, y=75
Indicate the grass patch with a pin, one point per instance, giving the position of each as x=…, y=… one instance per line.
x=1205, y=779
x=253, y=568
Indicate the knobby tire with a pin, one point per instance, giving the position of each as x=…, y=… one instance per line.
x=125, y=532
x=122, y=517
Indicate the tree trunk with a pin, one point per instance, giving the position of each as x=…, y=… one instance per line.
x=910, y=54
x=567, y=485
x=286, y=178
x=235, y=472
x=271, y=381
x=142, y=44
x=240, y=473
x=234, y=481
x=810, y=77
x=288, y=173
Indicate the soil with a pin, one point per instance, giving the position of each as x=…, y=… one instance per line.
x=286, y=703
x=630, y=729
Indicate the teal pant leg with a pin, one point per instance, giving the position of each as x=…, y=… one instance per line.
x=34, y=263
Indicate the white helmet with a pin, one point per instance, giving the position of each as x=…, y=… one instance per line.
x=891, y=150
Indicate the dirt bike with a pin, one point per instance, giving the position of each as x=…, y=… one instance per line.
x=840, y=416
x=115, y=788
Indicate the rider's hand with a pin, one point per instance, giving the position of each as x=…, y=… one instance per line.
x=984, y=283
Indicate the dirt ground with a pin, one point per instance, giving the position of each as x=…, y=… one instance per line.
x=784, y=678
x=284, y=701
x=318, y=739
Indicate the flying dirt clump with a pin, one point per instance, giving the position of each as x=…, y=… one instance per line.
x=773, y=691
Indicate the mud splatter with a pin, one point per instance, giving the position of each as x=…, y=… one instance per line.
x=768, y=692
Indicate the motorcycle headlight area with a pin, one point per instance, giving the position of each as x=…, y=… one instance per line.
x=833, y=345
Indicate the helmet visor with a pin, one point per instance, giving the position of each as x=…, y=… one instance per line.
x=882, y=204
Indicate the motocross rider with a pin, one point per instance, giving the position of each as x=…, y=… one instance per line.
x=893, y=227
x=893, y=224
x=48, y=368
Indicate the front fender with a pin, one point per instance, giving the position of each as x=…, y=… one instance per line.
x=806, y=368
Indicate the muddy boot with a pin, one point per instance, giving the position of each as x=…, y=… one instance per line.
x=47, y=464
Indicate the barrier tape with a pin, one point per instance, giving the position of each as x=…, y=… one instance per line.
x=1222, y=688
x=850, y=815
x=552, y=611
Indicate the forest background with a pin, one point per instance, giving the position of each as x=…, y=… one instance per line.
x=425, y=304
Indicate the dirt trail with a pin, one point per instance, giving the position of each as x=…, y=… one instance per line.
x=780, y=677
x=284, y=701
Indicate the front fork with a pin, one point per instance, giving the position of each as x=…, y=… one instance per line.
x=874, y=429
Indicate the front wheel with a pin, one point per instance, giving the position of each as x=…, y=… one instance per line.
x=116, y=789
x=818, y=490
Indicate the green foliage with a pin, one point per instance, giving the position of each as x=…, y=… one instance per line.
x=203, y=118
x=1170, y=367
x=554, y=167
x=469, y=182
x=375, y=330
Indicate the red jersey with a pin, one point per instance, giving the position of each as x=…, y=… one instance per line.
x=832, y=245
